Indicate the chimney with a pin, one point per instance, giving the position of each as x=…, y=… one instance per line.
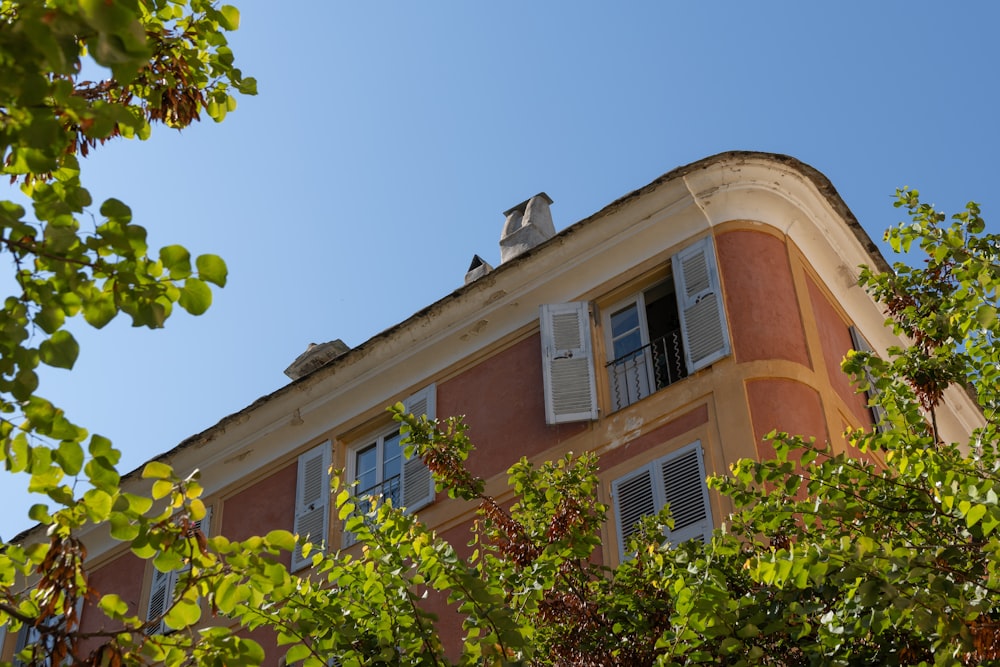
x=314, y=357
x=528, y=224
x=477, y=269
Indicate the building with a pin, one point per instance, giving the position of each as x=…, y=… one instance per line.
x=668, y=332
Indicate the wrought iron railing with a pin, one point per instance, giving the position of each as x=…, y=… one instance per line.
x=389, y=488
x=642, y=371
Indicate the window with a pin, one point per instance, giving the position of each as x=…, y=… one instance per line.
x=312, y=500
x=677, y=480
x=654, y=338
x=162, y=584
x=378, y=468
x=877, y=411
x=382, y=471
x=41, y=638
x=645, y=346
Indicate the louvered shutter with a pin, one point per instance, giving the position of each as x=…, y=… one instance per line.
x=415, y=479
x=634, y=497
x=204, y=524
x=682, y=475
x=699, y=302
x=161, y=591
x=162, y=584
x=312, y=500
x=567, y=363
x=877, y=411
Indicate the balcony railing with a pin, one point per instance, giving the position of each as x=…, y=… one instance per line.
x=387, y=489
x=637, y=374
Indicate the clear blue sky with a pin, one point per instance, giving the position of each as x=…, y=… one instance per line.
x=387, y=139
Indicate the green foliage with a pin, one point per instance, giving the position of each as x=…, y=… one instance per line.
x=161, y=61
x=884, y=554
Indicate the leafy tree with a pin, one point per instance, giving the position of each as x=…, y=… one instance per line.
x=886, y=554
x=159, y=61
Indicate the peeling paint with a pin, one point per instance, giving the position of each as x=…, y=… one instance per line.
x=633, y=423
x=496, y=296
x=475, y=329
x=239, y=457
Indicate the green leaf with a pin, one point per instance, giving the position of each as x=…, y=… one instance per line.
x=232, y=17
x=184, y=613
x=60, y=350
x=25, y=384
x=99, y=309
x=195, y=297
x=162, y=488
x=212, y=269
x=974, y=514
x=157, y=470
x=40, y=513
x=123, y=528
x=98, y=504
x=281, y=539
x=986, y=315
x=296, y=653
x=69, y=455
x=113, y=605
x=176, y=260
x=115, y=209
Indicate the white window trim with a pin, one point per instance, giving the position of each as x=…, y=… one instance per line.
x=639, y=301
x=421, y=403
x=703, y=324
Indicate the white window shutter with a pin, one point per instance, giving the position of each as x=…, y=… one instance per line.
x=567, y=363
x=699, y=302
x=878, y=412
x=634, y=497
x=162, y=584
x=204, y=524
x=416, y=480
x=677, y=480
x=682, y=475
x=161, y=593
x=312, y=500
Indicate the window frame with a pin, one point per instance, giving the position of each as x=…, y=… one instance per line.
x=880, y=422
x=568, y=343
x=378, y=442
x=422, y=402
x=647, y=385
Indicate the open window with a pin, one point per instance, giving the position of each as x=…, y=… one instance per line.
x=644, y=343
x=382, y=471
x=653, y=338
x=677, y=480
